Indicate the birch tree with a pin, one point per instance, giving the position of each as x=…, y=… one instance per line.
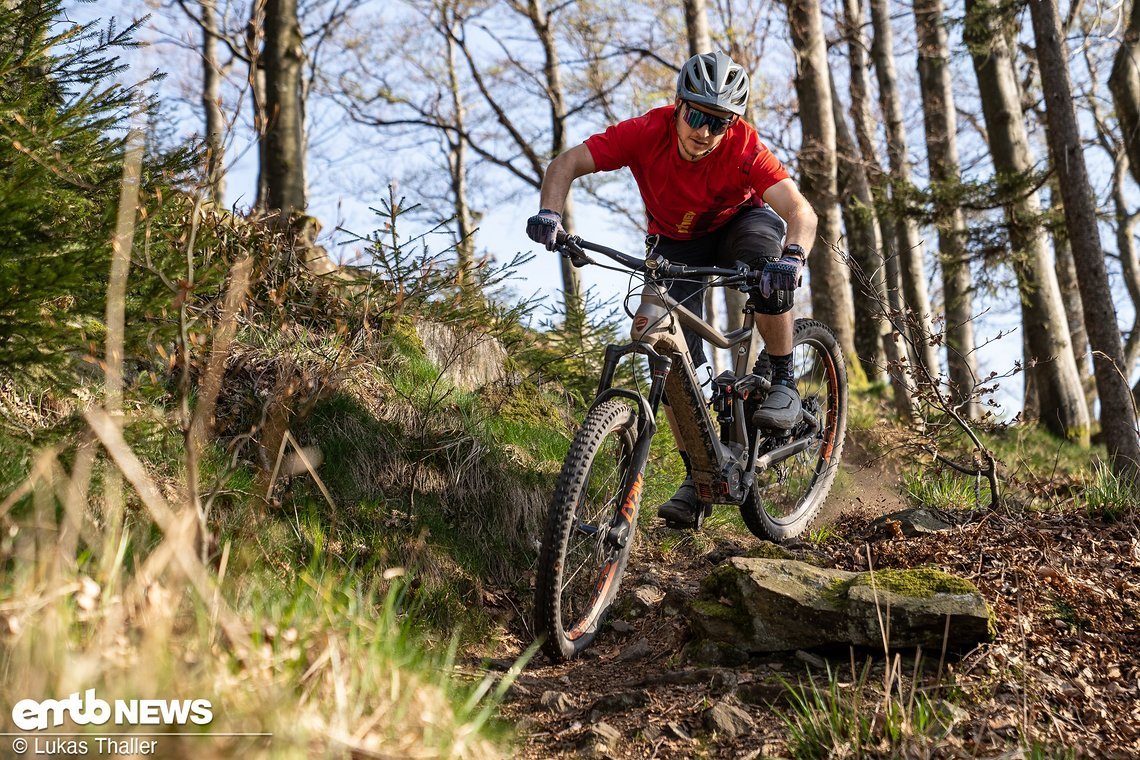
x=1049, y=355
x=909, y=245
x=862, y=121
x=830, y=285
x=863, y=243
x=942, y=157
x=1117, y=416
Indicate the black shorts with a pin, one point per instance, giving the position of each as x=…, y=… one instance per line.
x=754, y=236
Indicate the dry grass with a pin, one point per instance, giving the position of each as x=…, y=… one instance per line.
x=113, y=581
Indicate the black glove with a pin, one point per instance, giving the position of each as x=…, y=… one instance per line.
x=544, y=227
x=783, y=274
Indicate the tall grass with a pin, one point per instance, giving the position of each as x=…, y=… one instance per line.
x=116, y=579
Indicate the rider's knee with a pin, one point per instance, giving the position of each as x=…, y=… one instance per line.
x=779, y=302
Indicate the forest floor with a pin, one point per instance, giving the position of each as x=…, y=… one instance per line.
x=1061, y=679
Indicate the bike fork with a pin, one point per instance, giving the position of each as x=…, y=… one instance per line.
x=621, y=526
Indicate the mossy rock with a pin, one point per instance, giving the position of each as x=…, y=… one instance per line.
x=771, y=605
x=919, y=582
x=769, y=550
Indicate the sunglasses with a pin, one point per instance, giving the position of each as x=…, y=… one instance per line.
x=696, y=119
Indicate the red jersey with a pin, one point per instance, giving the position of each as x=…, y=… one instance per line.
x=687, y=199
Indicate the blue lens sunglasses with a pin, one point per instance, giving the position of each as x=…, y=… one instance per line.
x=696, y=119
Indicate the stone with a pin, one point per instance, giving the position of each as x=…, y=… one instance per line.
x=723, y=681
x=621, y=627
x=469, y=359
x=727, y=720
x=638, y=650
x=716, y=653
x=912, y=523
x=814, y=660
x=600, y=740
x=556, y=701
x=773, y=605
x=618, y=702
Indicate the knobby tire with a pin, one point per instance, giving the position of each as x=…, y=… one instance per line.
x=578, y=571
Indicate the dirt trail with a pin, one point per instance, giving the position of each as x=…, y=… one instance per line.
x=633, y=694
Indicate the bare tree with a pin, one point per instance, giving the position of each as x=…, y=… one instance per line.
x=863, y=242
x=1124, y=82
x=830, y=286
x=894, y=347
x=942, y=156
x=212, y=103
x=1117, y=415
x=1049, y=356
x=909, y=242
x=457, y=145
x=284, y=134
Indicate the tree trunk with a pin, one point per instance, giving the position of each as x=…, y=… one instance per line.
x=1050, y=357
x=830, y=285
x=697, y=26
x=1124, y=83
x=1129, y=260
x=1066, y=270
x=942, y=157
x=254, y=41
x=457, y=159
x=285, y=151
x=893, y=348
x=212, y=104
x=552, y=72
x=910, y=247
x=1117, y=418
x=869, y=291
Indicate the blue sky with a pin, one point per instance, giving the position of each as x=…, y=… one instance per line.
x=349, y=173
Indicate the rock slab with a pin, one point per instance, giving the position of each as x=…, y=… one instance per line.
x=779, y=605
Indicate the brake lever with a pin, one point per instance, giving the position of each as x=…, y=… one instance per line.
x=571, y=249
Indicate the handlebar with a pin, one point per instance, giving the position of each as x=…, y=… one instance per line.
x=574, y=248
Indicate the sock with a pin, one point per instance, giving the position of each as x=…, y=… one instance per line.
x=782, y=370
x=688, y=465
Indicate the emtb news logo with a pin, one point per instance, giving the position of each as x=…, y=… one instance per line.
x=89, y=710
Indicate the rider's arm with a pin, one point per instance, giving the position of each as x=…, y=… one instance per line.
x=787, y=201
x=563, y=170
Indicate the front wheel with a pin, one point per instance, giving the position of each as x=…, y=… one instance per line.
x=580, y=566
x=786, y=497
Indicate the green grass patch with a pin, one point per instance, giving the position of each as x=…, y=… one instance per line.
x=1107, y=496
x=945, y=489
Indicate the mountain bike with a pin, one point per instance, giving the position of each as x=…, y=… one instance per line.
x=777, y=478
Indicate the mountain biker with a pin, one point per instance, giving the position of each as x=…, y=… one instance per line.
x=714, y=195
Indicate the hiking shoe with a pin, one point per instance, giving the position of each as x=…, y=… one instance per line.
x=685, y=509
x=780, y=410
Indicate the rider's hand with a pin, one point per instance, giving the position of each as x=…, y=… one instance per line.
x=544, y=227
x=783, y=274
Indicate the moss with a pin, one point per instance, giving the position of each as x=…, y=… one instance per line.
x=836, y=593
x=769, y=550
x=921, y=582
x=523, y=402
x=716, y=610
x=401, y=332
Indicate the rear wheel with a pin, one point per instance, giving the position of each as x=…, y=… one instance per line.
x=787, y=496
x=579, y=570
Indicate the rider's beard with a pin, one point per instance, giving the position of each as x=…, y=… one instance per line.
x=685, y=152
x=689, y=155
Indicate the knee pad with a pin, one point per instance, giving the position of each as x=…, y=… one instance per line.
x=777, y=303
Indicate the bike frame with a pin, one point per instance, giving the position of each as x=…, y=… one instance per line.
x=723, y=471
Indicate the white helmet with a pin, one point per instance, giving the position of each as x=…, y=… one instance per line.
x=713, y=80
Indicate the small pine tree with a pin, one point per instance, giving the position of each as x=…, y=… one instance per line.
x=62, y=136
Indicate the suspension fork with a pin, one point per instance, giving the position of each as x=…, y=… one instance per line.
x=621, y=525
